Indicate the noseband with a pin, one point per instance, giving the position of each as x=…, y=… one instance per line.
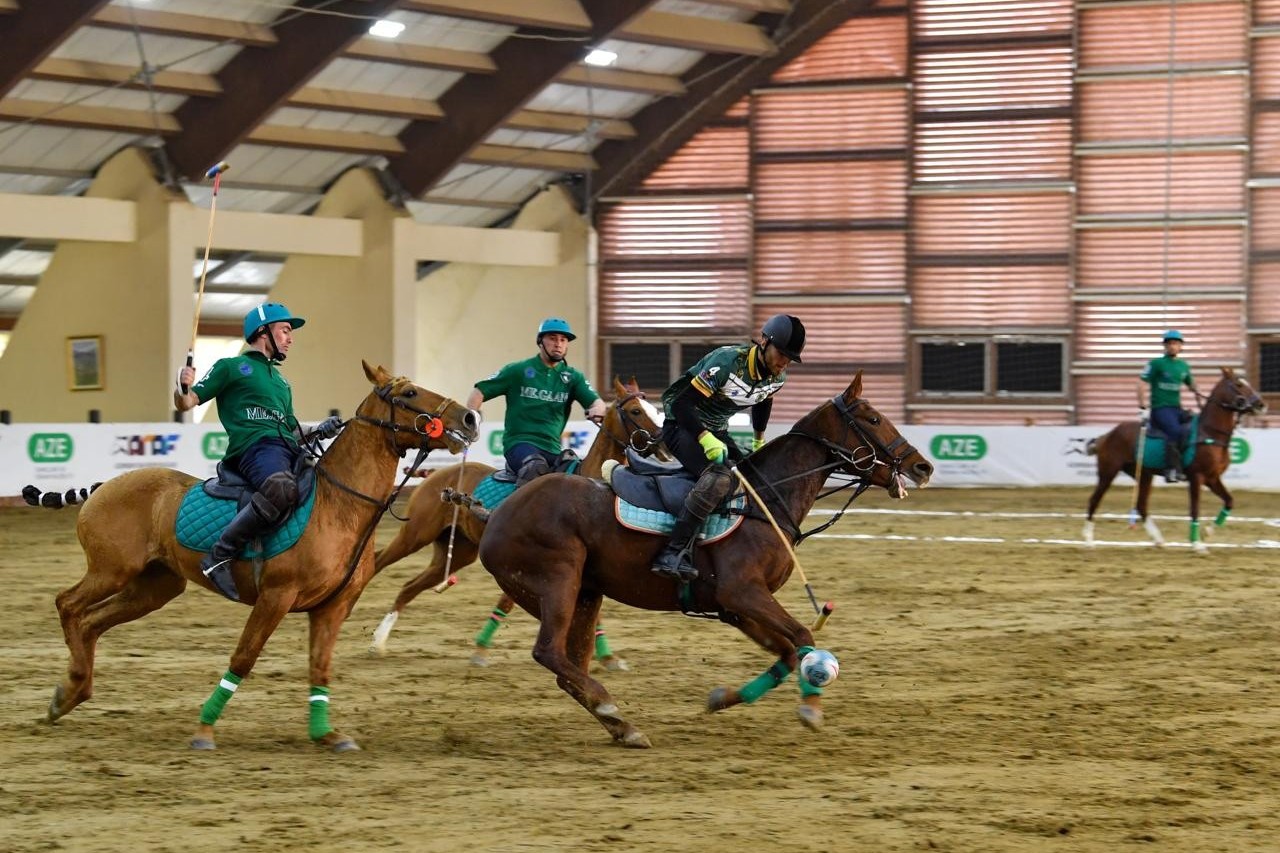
x=428, y=424
x=894, y=453
x=635, y=436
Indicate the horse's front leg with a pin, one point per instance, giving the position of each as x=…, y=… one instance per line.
x=326, y=622
x=1228, y=503
x=764, y=620
x=1193, y=487
x=268, y=610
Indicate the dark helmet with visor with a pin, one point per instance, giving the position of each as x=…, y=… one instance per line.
x=786, y=333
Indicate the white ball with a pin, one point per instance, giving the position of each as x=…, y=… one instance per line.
x=819, y=668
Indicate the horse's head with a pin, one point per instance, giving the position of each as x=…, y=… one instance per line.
x=415, y=417
x=866, y=443
x=1234, y=394
x=632, y=421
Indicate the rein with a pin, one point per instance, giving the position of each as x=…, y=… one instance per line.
x=647, y=443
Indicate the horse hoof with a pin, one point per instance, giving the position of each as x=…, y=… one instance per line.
x=616, y=664
x=377, y=651
x=810, y=716
x=636, y=740
x=202, y=743
x=1200, y=549
x=55, y=704
x=479, y=659
x=717, y=699
x=608, y=710
x=336, y=742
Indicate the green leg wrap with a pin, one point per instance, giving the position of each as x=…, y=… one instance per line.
x=496, y=619
x=1195, y=532
x=602, y=644
x=213, y=706
x=319, y=724
x=806, y=689
x=764, y=682
x=1223, y=514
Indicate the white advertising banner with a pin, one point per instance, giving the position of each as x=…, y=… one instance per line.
x=56, y=457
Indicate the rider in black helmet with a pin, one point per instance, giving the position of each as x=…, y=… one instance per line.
x=698, y=406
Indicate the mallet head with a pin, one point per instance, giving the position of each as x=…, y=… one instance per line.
x=217, y=169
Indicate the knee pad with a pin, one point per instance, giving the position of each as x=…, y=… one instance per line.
x=713, y=486
x=535, y=466
x=278, y=495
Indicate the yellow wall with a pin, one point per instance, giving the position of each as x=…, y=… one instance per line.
x=120, y=291
x=472, y=319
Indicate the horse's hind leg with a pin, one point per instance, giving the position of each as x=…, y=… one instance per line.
x=564, y=646
x=1105, y=477
x=484, y=637
x=464, y=554
x=89, y=608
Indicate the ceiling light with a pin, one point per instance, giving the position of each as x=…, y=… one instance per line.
x=386, y=28
x=601, y=57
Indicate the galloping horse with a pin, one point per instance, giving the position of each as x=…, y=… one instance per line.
x=556, y=547
x=1231, y=398
x=628, y=423
x=135, y=564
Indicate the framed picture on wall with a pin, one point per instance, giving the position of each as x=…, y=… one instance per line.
x=84, y=363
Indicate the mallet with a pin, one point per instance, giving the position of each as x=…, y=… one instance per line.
x=1137, y=474
x=215, y=172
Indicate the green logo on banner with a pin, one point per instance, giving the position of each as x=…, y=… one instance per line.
x=1239, y=450
x=495, y=442
x=46, y=447
x=959, y=448
x=214, y=445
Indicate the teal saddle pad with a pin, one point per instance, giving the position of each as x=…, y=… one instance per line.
x=718, y=525
x=491, y=492
x=1153, y=449
x=201, y=520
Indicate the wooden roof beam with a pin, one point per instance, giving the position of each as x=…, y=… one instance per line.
x=663, y=85
x=83, y=116
x=86, y=72
x=162, y=23
x=531, y=158
x=257, y=82
x=775, y=7
x=477, y=106
x=552, y=14
x=30, y=32
x=693, y=33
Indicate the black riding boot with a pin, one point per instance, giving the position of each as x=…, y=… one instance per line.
x=216, y=565
x=533, y=468
x=1173, y=463
x=676, y=560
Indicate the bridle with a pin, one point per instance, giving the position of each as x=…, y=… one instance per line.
x=1239, y=404
x=856, y=464
x=634, y=436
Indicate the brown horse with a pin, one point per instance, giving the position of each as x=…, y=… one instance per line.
x=135, y=564
x=629, y=422
x=1231, y=398
x=557, y=549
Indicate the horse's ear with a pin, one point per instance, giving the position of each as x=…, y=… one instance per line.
x=854, y=391
x=633, y=385
x=619, y=389
x=1228, y=372
x=376, y=375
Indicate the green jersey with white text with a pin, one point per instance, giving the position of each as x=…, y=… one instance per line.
x=539, y=399
x=254, y=400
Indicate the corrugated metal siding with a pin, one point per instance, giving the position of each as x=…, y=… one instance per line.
x=950, y=19
x=979, y=415
x=715, y=158
x=1135, y=183
x=1138, y=35
x=1108, y=400
x=644, y=229
x=841, y=191
x=1266, y=143
x=1266, y=11
x=1133, y=258
x=806, y=389
x=987, y=79
x=1204, y=109
x=846, y=334
x=990, y=297
x=642, y=302
x=1265, y=72
x=1038, y=149
x=1264, y=230
x=1264, y=295
x=838, y=120
x=863, y=47
x=830, y=262
x=1129, y=330
x=991, y=224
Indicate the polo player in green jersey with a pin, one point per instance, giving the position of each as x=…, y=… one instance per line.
x=540, y=394
x=697, y=408
x=1165, y=376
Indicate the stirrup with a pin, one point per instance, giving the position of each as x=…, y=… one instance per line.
x=677, y=565
x=219, y=574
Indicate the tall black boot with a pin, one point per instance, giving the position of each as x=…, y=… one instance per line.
x=533, y=468
x=216, y=565
x=676, y=559
x=1173, y=462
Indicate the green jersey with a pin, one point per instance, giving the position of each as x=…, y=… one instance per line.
x=539, y=399
x=729, y=379
x=1167, y=374
x=254, y=400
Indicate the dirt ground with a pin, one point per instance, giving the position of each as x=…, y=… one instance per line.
x=1002, y=689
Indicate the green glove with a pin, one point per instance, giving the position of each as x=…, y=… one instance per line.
x=756, y=443
x=713, y=447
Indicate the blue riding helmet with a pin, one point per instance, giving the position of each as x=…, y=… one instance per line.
x=555, y=324
x=265, y=314
x=1173, y=335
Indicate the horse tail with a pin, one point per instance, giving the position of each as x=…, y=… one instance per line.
x=1091, y=447
x=57, y=500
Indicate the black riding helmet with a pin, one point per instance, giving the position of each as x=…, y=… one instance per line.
x=786, y=333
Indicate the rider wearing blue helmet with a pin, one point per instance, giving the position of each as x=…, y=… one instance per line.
x=1165, y=376
x=255, y=406
x=540, y=392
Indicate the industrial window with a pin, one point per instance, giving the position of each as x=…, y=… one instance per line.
x=991, y=367
x=1269, y=367
x=955, y=367
x=656, y=365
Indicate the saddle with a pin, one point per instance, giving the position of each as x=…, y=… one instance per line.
x=568, y=463
x=651, y=484
x=1185, y=420
x=228, y=485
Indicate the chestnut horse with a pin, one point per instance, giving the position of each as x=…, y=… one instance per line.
x=556, y=547
x=135, y=564
x=629, y=422
x=1231, y=398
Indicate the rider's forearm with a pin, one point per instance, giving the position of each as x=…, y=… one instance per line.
x=474, y=399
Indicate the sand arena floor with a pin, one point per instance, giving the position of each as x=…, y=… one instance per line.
x=1002, y=689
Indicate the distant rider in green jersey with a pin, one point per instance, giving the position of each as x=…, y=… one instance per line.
x=1165, y=376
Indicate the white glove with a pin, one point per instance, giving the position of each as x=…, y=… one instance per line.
x=1144, y=416
x=327, y=428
